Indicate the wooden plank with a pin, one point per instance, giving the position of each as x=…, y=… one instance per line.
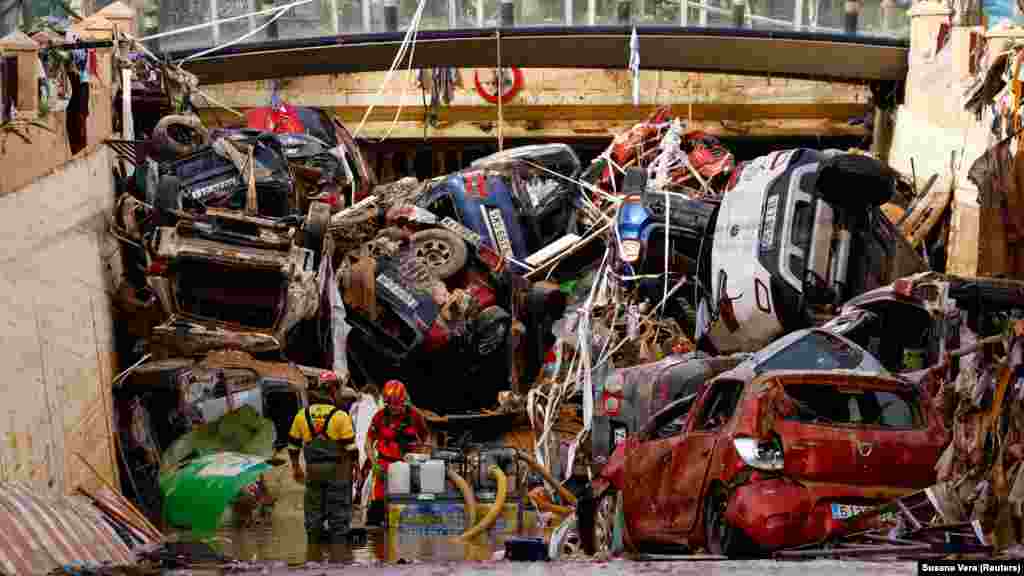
x=731, y=112
x=603, y=131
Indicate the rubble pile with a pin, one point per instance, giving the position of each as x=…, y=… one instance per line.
x=596, y=326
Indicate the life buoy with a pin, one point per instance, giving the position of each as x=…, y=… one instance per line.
x=517, y=85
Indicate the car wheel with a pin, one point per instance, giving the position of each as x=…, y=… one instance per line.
x=855, y=179
x=722, y=539
x=444, y=253
x=180, y=135
x=565, y=540
x=604, y=523
x=317, y=221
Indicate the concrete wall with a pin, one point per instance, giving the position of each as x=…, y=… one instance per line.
x=56, y=350
x=56, y=261
x=932, y=125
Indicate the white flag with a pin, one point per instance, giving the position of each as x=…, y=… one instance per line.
x=634, y=65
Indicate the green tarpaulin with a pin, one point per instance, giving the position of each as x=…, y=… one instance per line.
x=228, y=454
x=197, y=493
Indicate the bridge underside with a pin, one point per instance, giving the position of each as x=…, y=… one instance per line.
x=829, y=57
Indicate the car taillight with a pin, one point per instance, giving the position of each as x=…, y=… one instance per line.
x=903, y=287
x=612, y=403
x=156, y=268
x=630, y=250
x=760, y=454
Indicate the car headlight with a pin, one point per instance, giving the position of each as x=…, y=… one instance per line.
x=760, y=454
x=630, y=250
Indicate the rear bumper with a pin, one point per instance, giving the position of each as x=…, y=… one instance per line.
x=779, y=513
x=186, y=337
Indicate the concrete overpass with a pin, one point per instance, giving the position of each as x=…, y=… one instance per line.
x=784, y=54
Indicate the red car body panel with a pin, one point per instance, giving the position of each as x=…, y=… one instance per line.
x=665, y=482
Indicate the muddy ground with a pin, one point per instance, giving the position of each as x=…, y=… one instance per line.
x=684, y=568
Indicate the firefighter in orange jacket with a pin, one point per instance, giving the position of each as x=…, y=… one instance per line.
x=393, y=430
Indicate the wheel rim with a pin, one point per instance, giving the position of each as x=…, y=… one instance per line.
x=433, y=253
x=571, y=545
x=604, y=524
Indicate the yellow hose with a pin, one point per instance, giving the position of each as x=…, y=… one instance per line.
x=536, y=466
x=492, y=514
x=467, y=493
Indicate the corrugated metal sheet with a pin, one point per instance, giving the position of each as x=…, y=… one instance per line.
x=42, y=532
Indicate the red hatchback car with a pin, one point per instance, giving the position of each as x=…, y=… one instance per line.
x=775, y=453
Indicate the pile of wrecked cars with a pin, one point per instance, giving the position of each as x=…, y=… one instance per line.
x=798, y=394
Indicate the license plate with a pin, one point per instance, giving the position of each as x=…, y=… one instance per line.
x=465, y=233
x=771, y=210
x=846, y=511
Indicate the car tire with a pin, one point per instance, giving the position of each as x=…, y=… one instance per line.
x=855, y=179
x=317, y=221
x=163, y=139
x=443, y=252
x=605, y=510
x=721, y=538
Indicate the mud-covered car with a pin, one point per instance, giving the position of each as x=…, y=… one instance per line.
x=218, y=293
x=780, y=451
x=630, y=396
x=910, y=324
x=230, y=260
x=160, y=401
x=327, y=162
x=516, y=205
x=548, y=172
x=430, y=302
x=798, y=233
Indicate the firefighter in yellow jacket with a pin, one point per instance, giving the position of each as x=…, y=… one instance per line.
x=323, y=433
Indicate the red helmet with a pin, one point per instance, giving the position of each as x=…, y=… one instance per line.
x=394, y=393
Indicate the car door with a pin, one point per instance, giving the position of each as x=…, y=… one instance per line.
x=647, y=459
x=692, y=454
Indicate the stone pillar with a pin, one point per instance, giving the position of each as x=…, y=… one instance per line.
x=387, y=172
x=925, y=20
x=508, y=13
x=852, y=14
x=739, y=13
x=888, y=15
x=624, y=11
x=17, y=47
x=410, y=163
x=439, y=164
x=391, y=15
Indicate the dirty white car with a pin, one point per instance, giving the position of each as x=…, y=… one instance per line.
x=798, y=233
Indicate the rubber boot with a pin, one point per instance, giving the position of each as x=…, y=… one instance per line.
x=314, y=552
x=341, y=553
x=376, y=515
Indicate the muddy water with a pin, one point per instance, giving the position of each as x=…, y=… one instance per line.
x=280, y=535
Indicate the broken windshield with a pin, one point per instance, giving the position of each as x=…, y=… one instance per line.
x=815, y=351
